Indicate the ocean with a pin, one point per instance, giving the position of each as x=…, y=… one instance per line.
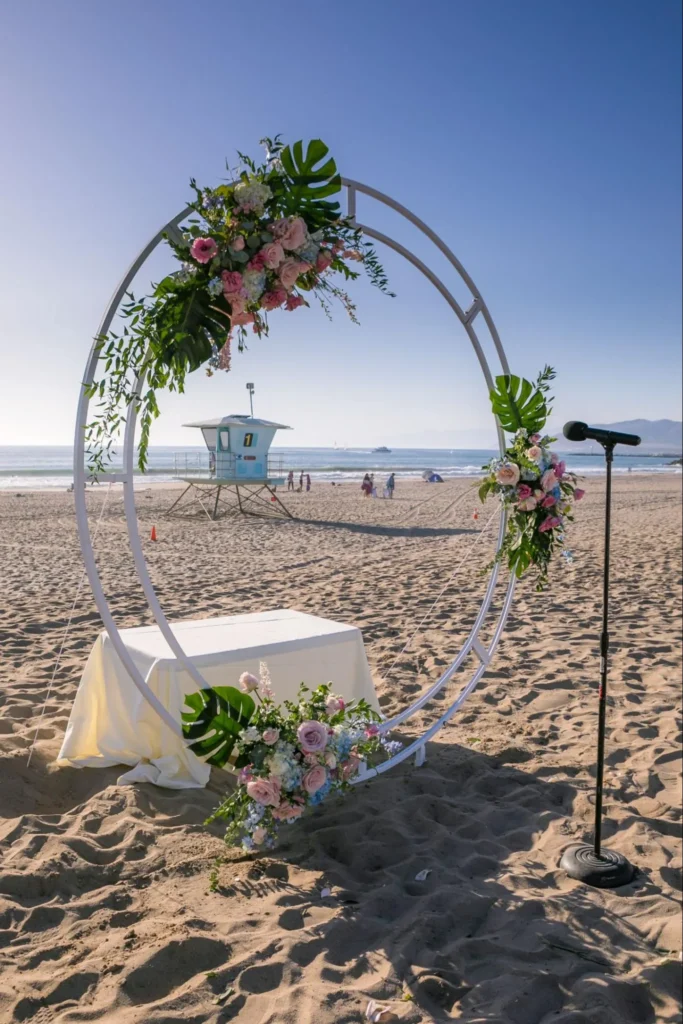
x=38, y=468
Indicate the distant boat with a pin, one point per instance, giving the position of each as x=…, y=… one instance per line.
x=383, y=450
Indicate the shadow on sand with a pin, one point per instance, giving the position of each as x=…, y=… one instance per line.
x=387, y=531
x=494, y=933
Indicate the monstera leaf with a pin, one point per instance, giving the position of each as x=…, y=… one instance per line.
x=186, y=324
x=311, y=182
x=518, y=404
x=218, y=716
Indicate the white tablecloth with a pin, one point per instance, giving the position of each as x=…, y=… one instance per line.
x=111, y=722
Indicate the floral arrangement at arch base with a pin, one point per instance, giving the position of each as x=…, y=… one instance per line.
x=268, y=239
x=531, y=481
x=290, y=758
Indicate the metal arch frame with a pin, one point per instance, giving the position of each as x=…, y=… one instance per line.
x=472, y=643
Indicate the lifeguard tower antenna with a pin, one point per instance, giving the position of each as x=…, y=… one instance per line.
x=237, y=475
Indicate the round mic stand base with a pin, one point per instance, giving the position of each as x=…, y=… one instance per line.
x=606, y=871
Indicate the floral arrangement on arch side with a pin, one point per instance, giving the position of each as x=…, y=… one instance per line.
x=267, y=239
x=531, y=481
x=290, y=757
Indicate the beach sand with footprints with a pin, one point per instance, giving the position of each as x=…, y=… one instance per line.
x=106, y=912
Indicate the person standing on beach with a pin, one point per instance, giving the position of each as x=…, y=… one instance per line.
x=301, y=481
x=373, y=489
x=308, y=482
x=366, y=486
x=290, y=480
x=391, y=483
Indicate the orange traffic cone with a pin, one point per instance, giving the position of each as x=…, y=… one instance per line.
x=475, y=515
x=153, y=535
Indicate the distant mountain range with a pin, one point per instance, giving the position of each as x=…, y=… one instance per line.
x=660, y=437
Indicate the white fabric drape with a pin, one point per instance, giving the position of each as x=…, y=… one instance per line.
x=111, y=723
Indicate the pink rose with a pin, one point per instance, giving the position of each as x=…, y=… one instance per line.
x=314, y=779
x=203, y=249
x=238, y=304
x=237, y=244
x=528, y=505
x=312, y=737
x=524, y=491
x=279, y=227
x=350, y=767
x=271, y=300
x=549, y=524
x=259, y=835
x=560, y=469
x=273, y=255
x=534, y=453
x=324, y=259
x=548, y=501
x=271, y=736
x=352, y=254
x=549, y=480
x=295, y=235
x=294, y=301
x=265, y=791
x=241, y=319
x=578, y=494
x=535, y=438
x=288, y=812
x=232, y=281
x=257, y=262
x=372, y=730
x=288, y=272
x=334, y=704
x=508, y=475
x=248, y=682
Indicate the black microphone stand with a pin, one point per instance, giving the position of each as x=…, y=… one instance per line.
x=605, y=869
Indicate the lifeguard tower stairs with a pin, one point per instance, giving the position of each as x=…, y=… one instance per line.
x=236, y=475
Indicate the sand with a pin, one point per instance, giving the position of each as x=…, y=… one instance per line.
x=106, y=912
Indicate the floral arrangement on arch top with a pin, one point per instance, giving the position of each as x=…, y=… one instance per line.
x=531, y=481
x=267, y=239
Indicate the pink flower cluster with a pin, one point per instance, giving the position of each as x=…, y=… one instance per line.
x=277, y=259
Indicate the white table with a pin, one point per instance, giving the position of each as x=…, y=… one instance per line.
x=111, y=722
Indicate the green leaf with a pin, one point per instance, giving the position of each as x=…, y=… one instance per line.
x=484, y=490
x=186, y=323
x=311, y=179
x=216, y=718
x=518, y=404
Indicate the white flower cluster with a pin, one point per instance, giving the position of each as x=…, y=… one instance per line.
x=283, y=764
x=252, y=195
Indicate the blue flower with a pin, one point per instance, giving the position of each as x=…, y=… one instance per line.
x=215, y=286
x=309, y=252
x=319, y=795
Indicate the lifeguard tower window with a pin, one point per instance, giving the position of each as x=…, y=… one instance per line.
x=250, y=440
x=224, y=440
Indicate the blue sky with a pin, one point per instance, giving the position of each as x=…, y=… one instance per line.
x=541, y=140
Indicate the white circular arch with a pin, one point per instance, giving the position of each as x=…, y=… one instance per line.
x=472, y=644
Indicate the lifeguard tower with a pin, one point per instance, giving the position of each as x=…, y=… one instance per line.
x=237, y=475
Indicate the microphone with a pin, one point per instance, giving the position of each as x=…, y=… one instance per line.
x=577, y=431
